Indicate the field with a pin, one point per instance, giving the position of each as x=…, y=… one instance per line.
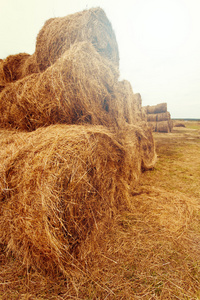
x=149, y=252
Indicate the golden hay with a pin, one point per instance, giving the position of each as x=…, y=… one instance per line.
x=155, y=109
x=78, y=88
x=152, y=118
x=61, y=182
x=58, y=34
x=128, y=108
x=11, y=67
x=162, y=126
x=163, y=116
x=30, y=66
x=179, y=124
x=152, y=125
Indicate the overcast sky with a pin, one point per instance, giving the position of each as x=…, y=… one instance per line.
x=159, y=43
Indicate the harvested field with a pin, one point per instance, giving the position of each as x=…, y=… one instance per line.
x=150, y=251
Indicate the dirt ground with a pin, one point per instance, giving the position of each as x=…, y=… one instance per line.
x=150, y=252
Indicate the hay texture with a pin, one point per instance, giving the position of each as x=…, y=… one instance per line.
x=152, y=118
x=12, y=67
x=163, y=126
x=62, y=183
x=58, y=34
x=78, y=88
x=16, y=67
x=163, y=116
x=158, y=118
x=128, y=103
x=155, y=109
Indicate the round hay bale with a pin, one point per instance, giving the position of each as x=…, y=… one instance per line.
x=153, y=126
x=61, y=183
x=144, y=113
x=58, y=34
x=155, y=109
x=30, y=66
x=171, y=124
x=152, y=118
x=179, y=124
x=138, y=100
x=78, y=88
x=12, y=67
x=163, y=116
x=162, y=126
x=128, y=106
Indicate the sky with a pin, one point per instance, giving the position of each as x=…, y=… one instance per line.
x=158, y=40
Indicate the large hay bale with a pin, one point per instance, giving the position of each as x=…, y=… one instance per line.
x=153, y=125
x=138, y=100
x=179, y=124
x=16, y=67
x=128, y=108
x=163, y=116
x=155, y=109
x=61, y=183
x=163, y=126
x=78, y=88
x=11, y=67
x=152, y=118
x=30, y=66
x=58, y=34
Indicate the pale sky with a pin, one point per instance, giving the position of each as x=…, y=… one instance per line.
x=159, y=43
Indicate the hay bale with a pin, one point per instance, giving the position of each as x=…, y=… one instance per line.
x=16, y=67
x=58, y=34
x=163, y=126
x=61, y=183
x=144, y=113
x=163, y=116
x=128, y=108
x=30, y=66
x=171, y=124
x=138, y=100
x=179, y=124
x=153, y=126
x=152, y=118
x=78, y=88
x=11, y=67
x=155, y=109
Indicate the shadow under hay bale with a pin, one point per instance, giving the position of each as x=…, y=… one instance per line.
x=78, y=88
x=61, y=183
x=58, y=34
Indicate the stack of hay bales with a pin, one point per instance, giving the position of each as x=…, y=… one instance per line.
x=159, y=118
x=73, y=141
